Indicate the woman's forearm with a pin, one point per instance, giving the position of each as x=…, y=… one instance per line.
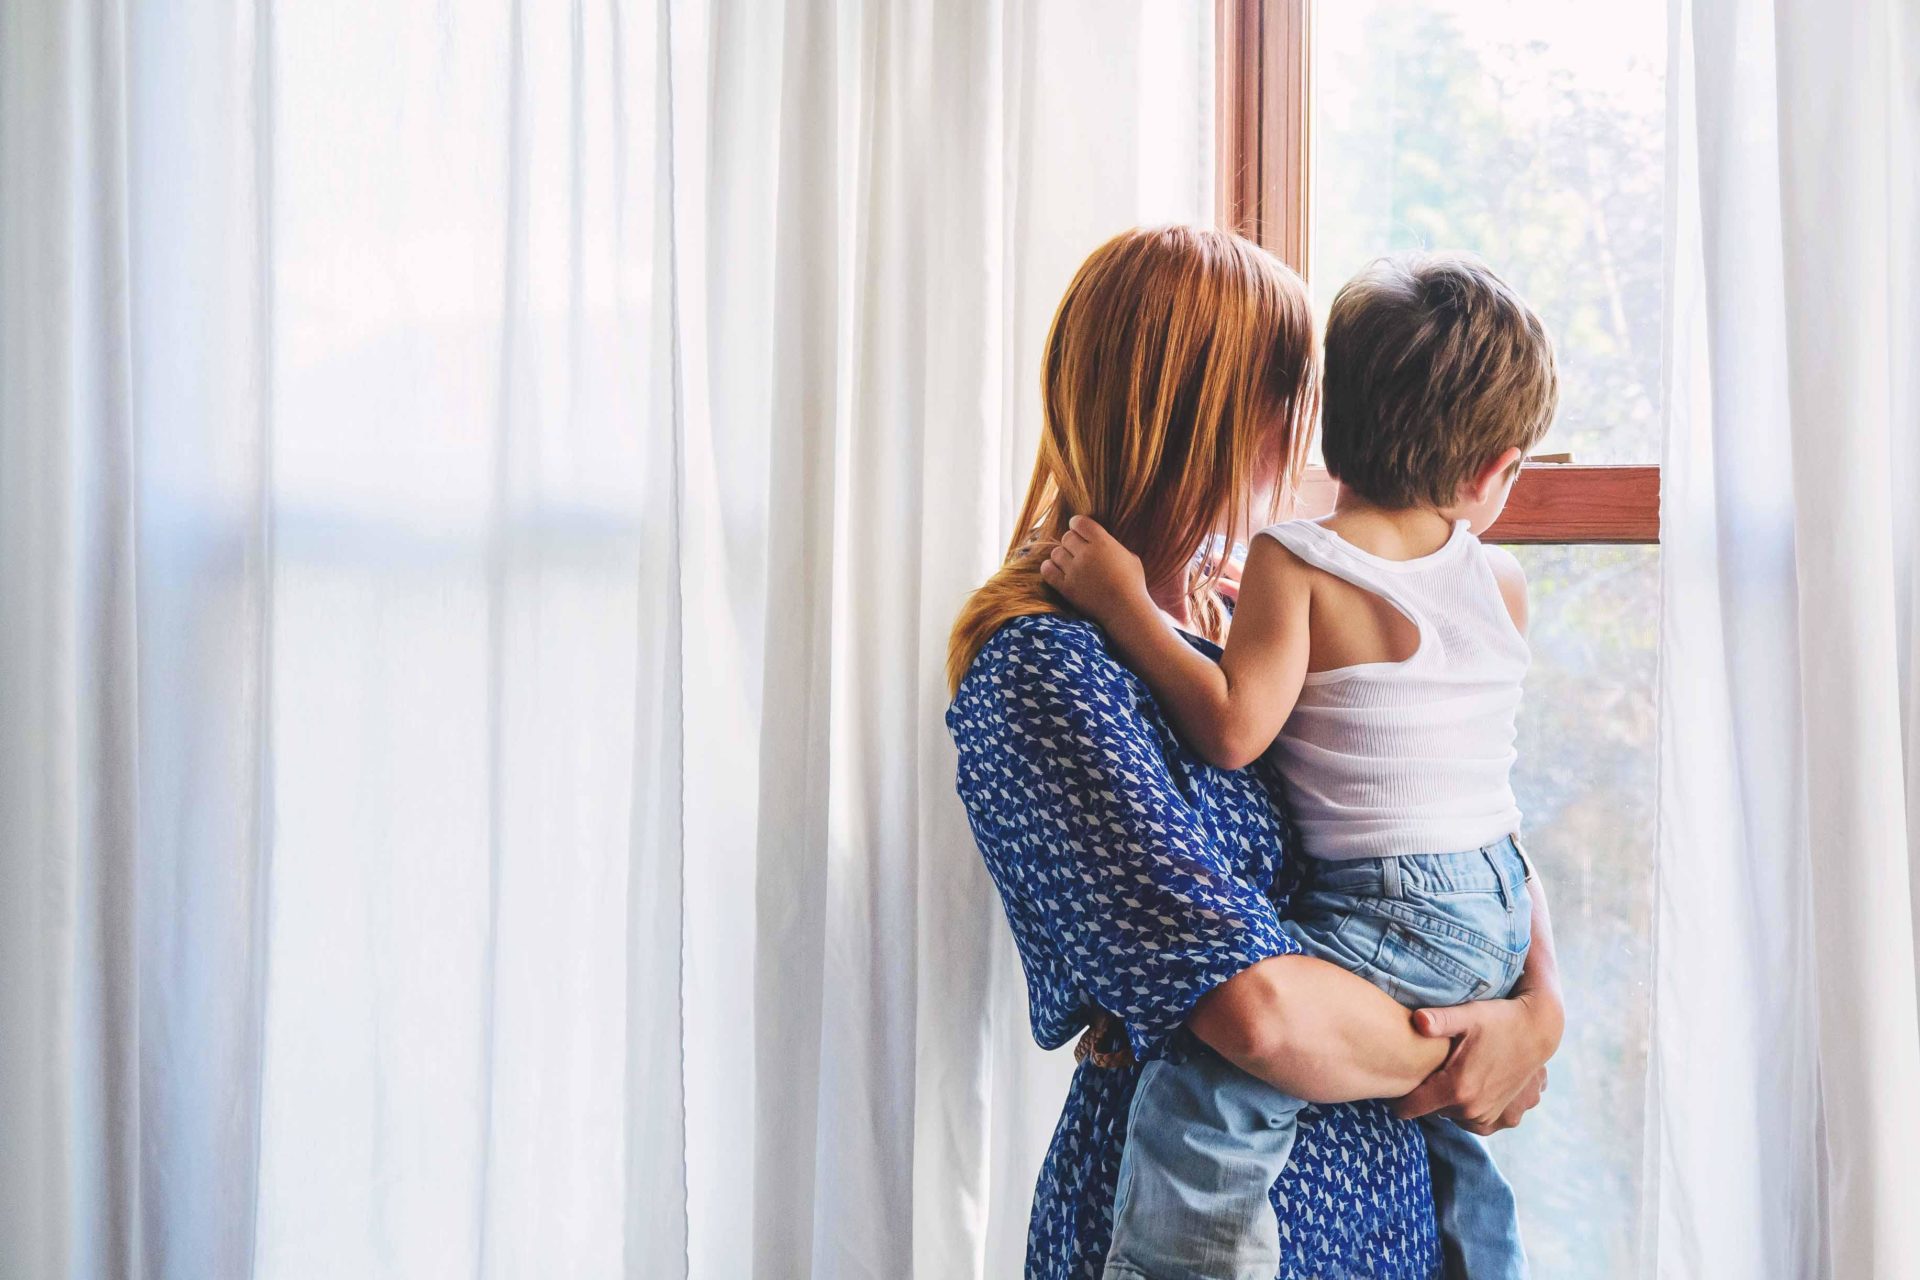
x=1315, y=1031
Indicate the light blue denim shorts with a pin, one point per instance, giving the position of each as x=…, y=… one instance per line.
x=1205, y=1140
x=1429, y=929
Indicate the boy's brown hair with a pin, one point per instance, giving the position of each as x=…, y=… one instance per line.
x=1434, y=367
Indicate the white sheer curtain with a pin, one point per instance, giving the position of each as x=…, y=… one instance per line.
x=1785, y=1135
x=482, y=493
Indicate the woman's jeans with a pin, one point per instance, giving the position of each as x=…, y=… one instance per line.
x=1206, y=1141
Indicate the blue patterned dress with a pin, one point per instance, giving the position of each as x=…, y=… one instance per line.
x=1137, y=878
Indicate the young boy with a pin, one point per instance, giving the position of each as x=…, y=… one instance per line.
x=1378, y=654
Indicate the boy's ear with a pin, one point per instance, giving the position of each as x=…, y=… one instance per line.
x=1495, y=474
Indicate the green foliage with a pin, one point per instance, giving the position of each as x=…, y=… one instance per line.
x=1554, y=181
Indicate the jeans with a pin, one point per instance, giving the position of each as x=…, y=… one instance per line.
x=1206, y=1141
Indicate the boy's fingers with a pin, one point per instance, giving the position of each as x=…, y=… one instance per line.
x=1089, y=528
x=1074, y=539
x=1050, y=571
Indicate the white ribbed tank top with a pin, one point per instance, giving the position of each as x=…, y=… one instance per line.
x=1391, y=758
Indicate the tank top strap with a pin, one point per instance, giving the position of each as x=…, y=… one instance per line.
x=1385, y=758
x=1325, y=550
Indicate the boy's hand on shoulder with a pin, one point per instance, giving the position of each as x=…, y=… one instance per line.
x=1094, y=572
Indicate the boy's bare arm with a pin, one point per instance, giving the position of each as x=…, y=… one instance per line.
x=1512, y=580
x=1229, y=711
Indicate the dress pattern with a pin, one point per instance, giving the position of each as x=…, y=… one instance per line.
x=1136, y=878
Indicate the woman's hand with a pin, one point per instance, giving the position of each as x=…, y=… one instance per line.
x=1497, y=1070
x=1229, y=583
x=1498, y=1067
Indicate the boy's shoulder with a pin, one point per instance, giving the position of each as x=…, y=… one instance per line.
x=1512, y=580
x=1505, y=563
x=1297, y=529
x=1300, y=538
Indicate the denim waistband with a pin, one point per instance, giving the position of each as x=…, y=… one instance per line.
x=1499, y=865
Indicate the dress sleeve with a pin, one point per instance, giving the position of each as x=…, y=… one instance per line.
x=1101, y=861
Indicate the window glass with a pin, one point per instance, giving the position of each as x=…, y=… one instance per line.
x=1585, y=781
x=1532, y=133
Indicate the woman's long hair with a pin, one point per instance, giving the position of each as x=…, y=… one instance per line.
x=1180, y=365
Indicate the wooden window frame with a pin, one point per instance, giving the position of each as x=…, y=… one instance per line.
x=1263, y=111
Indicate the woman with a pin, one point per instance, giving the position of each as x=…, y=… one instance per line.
x=1142, y=885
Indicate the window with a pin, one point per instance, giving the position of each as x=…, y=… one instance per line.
x=1532, y=133
x=467, y=481
x=1528, y=133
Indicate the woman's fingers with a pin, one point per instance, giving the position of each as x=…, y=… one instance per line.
x=1442, y=1024
x=1437, y=1092
x=1229, y=584
x=1490, y=1080
x=1511, y=1114
x=1516, y=1109
x=1526, y=1100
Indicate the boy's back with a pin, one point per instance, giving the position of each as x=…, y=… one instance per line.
x=1402, y=735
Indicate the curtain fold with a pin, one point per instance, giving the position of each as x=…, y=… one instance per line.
x=69, y=1092
x=132, y=388
x=1786, y=1037
x=483, y=491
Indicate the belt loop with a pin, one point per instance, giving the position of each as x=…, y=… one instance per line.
x=1499, y=878
x=1526, y=862
x=1390, y=878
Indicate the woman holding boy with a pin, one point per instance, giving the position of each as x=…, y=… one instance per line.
x=1149, y=890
